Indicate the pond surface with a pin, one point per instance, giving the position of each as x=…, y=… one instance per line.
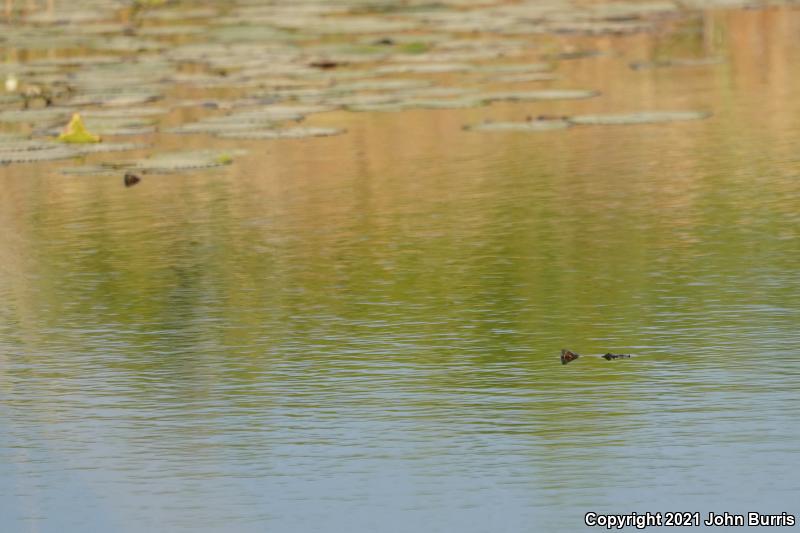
x=361, y=332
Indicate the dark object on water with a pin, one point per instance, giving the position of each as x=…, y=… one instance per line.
x=325, y=64
x=131, y=179
x=567, y=356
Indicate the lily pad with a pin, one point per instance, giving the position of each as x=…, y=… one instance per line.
x=124, y=112
x=287, y=133
x=524, y=78
x=35, y=156
x=113, y=99
x=441, y=92
x=645, y=117
x=552, y=94
x=444, y=103
x=514, y=68
x=381, y=85
x=90, y=170
x=168, y=162
x=35, y=116
x=424, y=68
x=108, y=147
x=685, y=62
x=212, y=126
x=20, y=144
x=528, y=125
x=364, y=99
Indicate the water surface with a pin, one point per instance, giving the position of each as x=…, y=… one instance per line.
x=361, y=333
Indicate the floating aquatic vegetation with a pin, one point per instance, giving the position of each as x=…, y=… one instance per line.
x=104, y=126
x=21, y=144
x=342, y=25
x=178, y=14
x=171, y=31
x=76, y=132
x=390, y=106
x=243, y=32
x=90, y=170
x=70, y=16
x=424, y=68
x=168, y=162
x=598, y=27
x=285, y=133
x=114, y=99
x=685, y=62
x=122, y=43
x=380, y=85
x=124, y=112
x=10, y=137
x=218, y=125
x=645, y=117
x=551, y=94
x=44, y=115
x=363, y=99
x=514, y=68
x=443, y=103
x=105, y=147
x=524, y=78
x=575, y=54
x=33, y=156
x=528, y=125
x=8, y=99
x=440, y=92
x=252, y=118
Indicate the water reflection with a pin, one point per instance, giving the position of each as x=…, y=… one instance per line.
x=361, y=333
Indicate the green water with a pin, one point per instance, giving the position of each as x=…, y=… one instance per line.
x=362, y=333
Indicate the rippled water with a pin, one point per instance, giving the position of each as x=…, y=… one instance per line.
x=361, y=333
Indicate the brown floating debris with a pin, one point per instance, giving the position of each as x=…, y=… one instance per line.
x=131, y=179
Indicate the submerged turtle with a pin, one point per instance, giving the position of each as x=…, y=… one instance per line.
x=130, y=179
x=568, y=357
x=610, y=356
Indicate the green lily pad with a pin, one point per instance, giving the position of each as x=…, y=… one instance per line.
x=21, y=144
x=36, y=116
x=444, y=103
x=552, y=94
x=123, y=112
x=114, y=99
x=685, y=62
x=35, y=156
x=441, y=92
x=212, y=126
x=514, y=68
x=90, y=170
x=105, y=147
x=286, y=133
x=380, y=85
x=528, y=125
x=424, y=68
x=645, y=117
x=168, y=162
x=524, y=78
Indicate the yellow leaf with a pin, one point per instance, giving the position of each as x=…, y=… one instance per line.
x=75, y=132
